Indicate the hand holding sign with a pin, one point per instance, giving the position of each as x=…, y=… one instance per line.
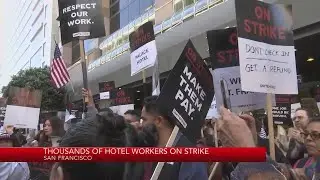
x=233, y=131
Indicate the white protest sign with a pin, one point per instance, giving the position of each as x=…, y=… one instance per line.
x=22, y=117
x=105, y=95
x=143, y=58
x=143, y=48
x=121, y=109
x=240, y=100
x=266, y=47
x=213, y=111
x=268, y=73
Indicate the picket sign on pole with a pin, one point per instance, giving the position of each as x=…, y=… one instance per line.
x=216, y=145
x=84, y=74
x=170, y=142
x=270, y=126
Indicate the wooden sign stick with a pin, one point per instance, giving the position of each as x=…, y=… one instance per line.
x=170, y=142
x=270, y=126
x=216, y=145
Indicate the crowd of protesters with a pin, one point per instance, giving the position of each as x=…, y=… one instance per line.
x=297, y=151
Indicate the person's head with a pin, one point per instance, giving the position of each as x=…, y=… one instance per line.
x=131, y=116
x=53, y=127
x=151, y=114
x=106, y=129
x=6, y=140
x=301, y=118
x=312, y=137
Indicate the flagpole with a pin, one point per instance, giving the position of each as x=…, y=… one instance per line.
x=84, y=75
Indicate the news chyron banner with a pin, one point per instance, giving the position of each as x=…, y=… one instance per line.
x=121, y=100
x=3, y=104
x=188, y=93
x=105, y=88
x=282, y=111
x=23, y=107
x=81, y=19
x=143, y=48
x=223, y=47
x=266, y=48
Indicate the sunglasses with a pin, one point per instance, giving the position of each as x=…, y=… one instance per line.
x=313, y=135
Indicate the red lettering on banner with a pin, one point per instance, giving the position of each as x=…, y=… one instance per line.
x=264, y=30
x=226, y=57
x=233, y=39
x=262, y=13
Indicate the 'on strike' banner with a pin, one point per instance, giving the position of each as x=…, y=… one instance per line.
x=117, y=154
x=266, y=49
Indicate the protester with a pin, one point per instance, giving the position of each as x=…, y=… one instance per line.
x=132, y=117
x=297, y=149
x=12, y=170
x=237, y=131
x=53, y=130
x=153, y=117
x=263, y=141
x=102, y=130
x=312, y=142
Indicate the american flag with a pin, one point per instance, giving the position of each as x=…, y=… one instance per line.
x=59, y=73
x=263, y=133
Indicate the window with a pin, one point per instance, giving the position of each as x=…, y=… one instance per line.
x=44, y=49
x=46, y=11
x=124, y=4
x=36, y=58
x=145, y=5
x=44, y=30
x=134, y=11
x=114, y=9
x=75, y=52
x=178, y=5
x=43, y=64
x=115, y=23
x=124, y=17
x=188, y=2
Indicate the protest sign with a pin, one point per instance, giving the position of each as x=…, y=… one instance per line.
x=143, y=48
x=266, y=48
x=239, y=100
x=282, y=111
x=3, y=104
x=213, y=111
x=105, y=88
x=23, y=107
x=188, y=92
x=121, y=100
x=80, y=20
x=223, y=48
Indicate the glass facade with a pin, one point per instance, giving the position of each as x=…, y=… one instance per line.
x=122, y=24
x=122, y=12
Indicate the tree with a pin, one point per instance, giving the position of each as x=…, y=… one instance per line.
x=39, y=78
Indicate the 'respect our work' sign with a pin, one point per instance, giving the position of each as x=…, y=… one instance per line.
x=188, y=92
x=81, y=19
x=223, y=47
x=143, y=48
x=266, y=49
